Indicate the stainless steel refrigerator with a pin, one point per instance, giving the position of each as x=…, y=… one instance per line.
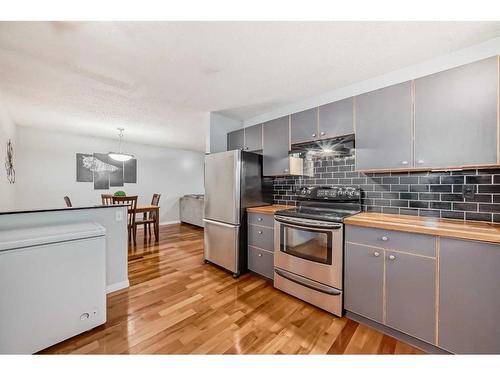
x=233, y=182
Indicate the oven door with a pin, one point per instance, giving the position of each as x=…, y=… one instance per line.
x=309, y=248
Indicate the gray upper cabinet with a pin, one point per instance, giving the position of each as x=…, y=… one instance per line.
x=304, y=126
x=276, y=146
x=236, y=140
x=384, y=128
x=456, y=116
x=364, y=281
x=469, y=307
x=253, y=138
x=411, y=295
x=336, y=118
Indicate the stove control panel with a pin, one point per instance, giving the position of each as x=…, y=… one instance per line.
x=331, y=193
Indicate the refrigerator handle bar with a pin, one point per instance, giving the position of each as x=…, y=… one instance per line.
x=219, y=223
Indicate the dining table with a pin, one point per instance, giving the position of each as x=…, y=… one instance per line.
x=144, y=209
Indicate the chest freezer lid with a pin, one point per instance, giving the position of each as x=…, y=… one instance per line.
x=16, y=238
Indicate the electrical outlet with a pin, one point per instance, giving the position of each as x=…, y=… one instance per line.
x=469, y=191
x=119, y=215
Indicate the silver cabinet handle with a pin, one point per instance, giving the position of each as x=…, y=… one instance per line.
x=384, y=238
x=259, y=219
x=322, y=133
x=246, y=147
x=392, y=257
x=376, y=253
x=259, y=254
x=420, y=162
x=285, y=170
x=313, y=135
x=260, y=232
x=404, y=162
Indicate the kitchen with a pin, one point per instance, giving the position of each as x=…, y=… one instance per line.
x=331, y=188
x=395, y=199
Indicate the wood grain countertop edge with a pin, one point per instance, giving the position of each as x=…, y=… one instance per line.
x=468, y=230
x=268, y=210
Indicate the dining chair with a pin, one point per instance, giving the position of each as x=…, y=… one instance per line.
x=131, y=202
x=67, y=201
x=107, y=199
x=150, y=217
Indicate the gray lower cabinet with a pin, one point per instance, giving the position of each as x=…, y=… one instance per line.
x=276, y=146
x=384, y=128
x=261, y=244
x=261, y=261
x=304, y=126
x=392, y=286
x=469, y=306
x=253, y=138
x=411, y=295
x=236, y=140
x=336, y=118
x=364, y=281
x=456, y=116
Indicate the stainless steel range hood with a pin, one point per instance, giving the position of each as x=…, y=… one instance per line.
x=337, y=146
x=304, y=153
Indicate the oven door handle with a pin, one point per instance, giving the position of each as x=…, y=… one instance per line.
x=281, y=219
x=308, y=283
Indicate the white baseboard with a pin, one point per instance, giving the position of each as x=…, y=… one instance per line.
x=170, y=222
x=117, y=286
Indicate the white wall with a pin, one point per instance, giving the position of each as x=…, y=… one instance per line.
x=7, y=131
x=448, y=61
x=217, y=135
x=46, y=171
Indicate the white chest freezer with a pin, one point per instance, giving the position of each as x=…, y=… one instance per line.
x=52, y=284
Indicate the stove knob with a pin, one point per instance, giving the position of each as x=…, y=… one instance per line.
x=308, y=192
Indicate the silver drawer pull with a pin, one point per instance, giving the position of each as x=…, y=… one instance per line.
x=259, y=254
x=260, y=232
x=376, y=253
x=259, y=219
x=384, y=238
x=322, y=133
x=313, y=135
x=392, y=257
x=420, y=162
x=404, y=162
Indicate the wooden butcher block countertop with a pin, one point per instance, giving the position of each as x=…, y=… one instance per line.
x=469, y=230
x=269, y=210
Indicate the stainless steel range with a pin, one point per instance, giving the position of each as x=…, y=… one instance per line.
x=309, y=245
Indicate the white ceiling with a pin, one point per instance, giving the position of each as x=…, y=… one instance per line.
x=159, y=80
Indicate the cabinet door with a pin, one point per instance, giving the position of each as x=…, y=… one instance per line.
x=253, y=138
x=469, y=297
x=236, y=140
x=276, y=146
x=336, y=118
x=364, y=275
x=411, y=295
x=304, y=126
x=456, y=116
x=384, y=128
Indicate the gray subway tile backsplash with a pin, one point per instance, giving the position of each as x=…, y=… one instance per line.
x=430, y=194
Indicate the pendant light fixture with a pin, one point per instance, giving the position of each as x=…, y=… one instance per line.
x=120, y=156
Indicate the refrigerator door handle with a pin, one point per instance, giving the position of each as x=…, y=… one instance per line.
x=219, y=223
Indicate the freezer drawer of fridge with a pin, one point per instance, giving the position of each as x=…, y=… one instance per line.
x=222, y=244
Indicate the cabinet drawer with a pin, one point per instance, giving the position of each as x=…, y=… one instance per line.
x=414, y=243
x=261, y=262
x=261, y=219
x=261, y=237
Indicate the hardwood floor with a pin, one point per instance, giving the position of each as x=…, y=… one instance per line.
x=176, y=304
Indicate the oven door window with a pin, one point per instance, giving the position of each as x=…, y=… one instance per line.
x=311, y=244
